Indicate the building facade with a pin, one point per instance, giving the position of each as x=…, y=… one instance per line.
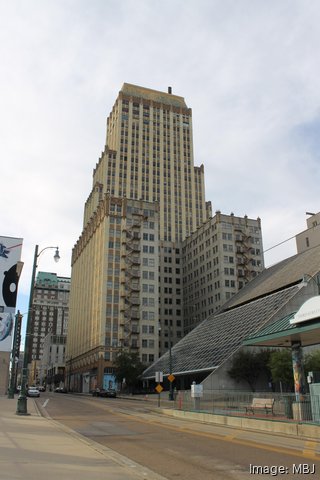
x=147, y=164
x=49, y=316
x=115, y=292
x=129, y=286
x=218, y=259
x=52, y=362
x=310, y=237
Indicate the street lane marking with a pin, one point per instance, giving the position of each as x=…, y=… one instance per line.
x=45, y=403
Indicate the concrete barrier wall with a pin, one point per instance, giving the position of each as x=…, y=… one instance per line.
x=270, y=426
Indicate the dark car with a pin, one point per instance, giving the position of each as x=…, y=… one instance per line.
x=110, y=393
x=96, y=392
x=101, y=392
x=61, y=390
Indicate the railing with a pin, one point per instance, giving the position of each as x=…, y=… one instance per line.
x=233, y=403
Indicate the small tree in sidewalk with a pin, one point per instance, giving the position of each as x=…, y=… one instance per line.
x=129, y=367
x=312, y=361
x=280, y=365
x=248, y=366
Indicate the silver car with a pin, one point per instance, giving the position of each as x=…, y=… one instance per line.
x=33, y=392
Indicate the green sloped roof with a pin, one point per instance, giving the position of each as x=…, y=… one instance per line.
x=279, y=326
x=284, y=330
x=47, y=277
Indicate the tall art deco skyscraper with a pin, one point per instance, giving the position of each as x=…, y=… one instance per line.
x=147, y=197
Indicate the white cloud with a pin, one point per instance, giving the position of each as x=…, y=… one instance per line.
x=249, y=70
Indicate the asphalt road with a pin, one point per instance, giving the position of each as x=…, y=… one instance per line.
x=179, y=449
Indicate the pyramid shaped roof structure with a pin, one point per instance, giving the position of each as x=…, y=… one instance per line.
x=268, y=297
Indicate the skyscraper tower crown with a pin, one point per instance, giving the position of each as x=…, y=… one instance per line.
x=149, y=156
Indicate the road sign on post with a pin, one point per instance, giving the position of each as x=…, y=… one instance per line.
x=159, y=377
x=196, y=394
x=159, y=388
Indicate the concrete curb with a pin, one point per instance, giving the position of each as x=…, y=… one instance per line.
x=303, y=431
x=107, y=452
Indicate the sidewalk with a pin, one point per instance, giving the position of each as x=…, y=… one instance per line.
x=34, y=448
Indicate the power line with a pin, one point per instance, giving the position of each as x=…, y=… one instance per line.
x=277, y=245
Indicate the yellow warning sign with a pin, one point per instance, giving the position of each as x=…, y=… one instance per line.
x=159, y=388
x=171, y=377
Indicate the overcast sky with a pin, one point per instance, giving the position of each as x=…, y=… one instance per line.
x=249, y=69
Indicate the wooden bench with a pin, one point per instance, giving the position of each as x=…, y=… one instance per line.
x=257, y=404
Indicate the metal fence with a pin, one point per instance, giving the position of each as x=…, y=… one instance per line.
x=273, y=406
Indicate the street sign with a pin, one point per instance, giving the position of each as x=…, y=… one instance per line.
x=171, y=377
x=159, y=377
x=196, y=391
x=159, y=388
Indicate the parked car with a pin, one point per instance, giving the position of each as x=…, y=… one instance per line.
x=42, y=388
x=101, y=392
x=61, y=390
x=110, y=393
x=33, y=392
x=96, y=392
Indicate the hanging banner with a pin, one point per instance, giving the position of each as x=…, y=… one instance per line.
x=10, y=255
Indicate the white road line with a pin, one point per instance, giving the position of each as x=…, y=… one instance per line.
x=46, y=403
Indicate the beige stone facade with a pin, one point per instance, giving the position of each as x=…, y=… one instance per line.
x=219, y=258
x=115, y=289
x=310, y=237
x=147, y=164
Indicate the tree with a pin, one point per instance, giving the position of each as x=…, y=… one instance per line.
x=248, y=366
x=280, y=365
x=129, y=367
x=312, y=362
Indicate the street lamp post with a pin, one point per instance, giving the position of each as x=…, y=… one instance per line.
x=22, y=399
x=171, y=396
